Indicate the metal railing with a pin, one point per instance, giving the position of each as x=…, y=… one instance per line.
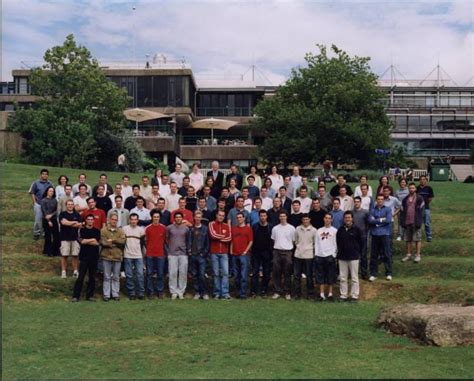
x=224, y=111
x=206, y=140
x=152, y=131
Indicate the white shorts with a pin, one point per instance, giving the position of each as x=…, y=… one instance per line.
x=70, y=248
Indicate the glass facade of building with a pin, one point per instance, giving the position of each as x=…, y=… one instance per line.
x=227, y=103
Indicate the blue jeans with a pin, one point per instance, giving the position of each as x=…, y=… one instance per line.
x=241, y=268
x=135, y=279
x=198, y=271
x=381, y=248
x=155, y=265
x=427, y=222
x=220, y=272
x=38, y=225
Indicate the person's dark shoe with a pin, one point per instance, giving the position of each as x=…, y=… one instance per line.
x=141, y=297
x=106, y=299
x=117, y=299
x=36, y=237
x=74, y=300
x=429, y=239
x=160, y=296
x=330, y=298
x=91, y=299
x=133, y=297
x=149, y=297
x=343, y=300
x=242, y=297
x=353, y=300
x=320, y=299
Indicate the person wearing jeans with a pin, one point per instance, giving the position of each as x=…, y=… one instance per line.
x=37, y=191
x=112, y=241
x=178, y=240
x=349, y=244
x=155, y=238
x=380, y=221
x=261, y=254
x=199, y=255
x=133, y=259
x=242, y=239
x=425, y=191
x=220, y=235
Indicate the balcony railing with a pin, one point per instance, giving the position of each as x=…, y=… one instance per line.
x=152, y=131
x=224, y=111
x=206, y=140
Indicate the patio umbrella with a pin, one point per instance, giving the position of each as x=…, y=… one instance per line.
x=211, y=123
x=141, y=115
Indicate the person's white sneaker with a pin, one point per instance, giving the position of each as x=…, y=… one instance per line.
x=288, y=297
x=181, y=296
x=276, y=296
x=174, y=297
x=389, y=277
x=406, y=258
x=122, y=274
x=399, y=238
x=372, y=278
x=75, y=274
x=303, y=276
x=417, y=258
x=63, y=275
x=205, y=297
x=196, y=297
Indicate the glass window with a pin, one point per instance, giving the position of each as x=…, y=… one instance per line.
x=171, y=91
x=160, y=91
x=145, y=91
x=414, y=123
x=401, y=123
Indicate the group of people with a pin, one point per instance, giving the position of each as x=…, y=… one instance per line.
x=245, y=227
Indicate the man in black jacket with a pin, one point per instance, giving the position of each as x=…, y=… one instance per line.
x=261, y=254
x=411, y=220
x=349, y=245
x=217, y=175
x=234, y=174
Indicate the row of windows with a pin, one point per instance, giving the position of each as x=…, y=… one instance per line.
x=435, y=123
x=226, y=104
x=157, y=91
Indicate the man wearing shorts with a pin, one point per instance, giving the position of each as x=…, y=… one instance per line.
x=70, y=222
x=325, y=258
x=411, y=220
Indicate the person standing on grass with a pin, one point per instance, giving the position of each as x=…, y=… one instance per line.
x=205, y=214
x=285, y=200
x=305, y=242
x=238, y=208
x=131, y=201
x=220, y=235
x=242, y=239
x=296, y=215
x=254, y=191
x=325, y=199
x=177, y=176
x=425, y=191
x=380, y=221
x=341, y=181
x=274, y=212
x=64, y=198
x=411, y=219
x=143, y=213
x=199, y=255
x=133, y=259
x=145, y=188
x=304, y=200
x=70, y=222
x=178, y=241
x=152, y=201
x=155, y=238
x=283, y=236
x=49, y=209
x=112, y=239
x=80, y=200
x=82, y=180
x=196, y=177
x=337, y=214
x=360, y=220
x=172, y=199
x=63, y=180
x=126, y=190
x=349, y=243
x=255, y=213
x=186, y=214
x=234, y=174
x=117, y=192
x=99, y=216
x=218, y=178
x=89, y=239
x=400, y=194
x=367, y=201
x=165, y=218
x=316, y=214
x=347, y=203
x=261, y=254
x=102, y=201
x=37, y=191
x=325, y=258
x=363, y=181
x=120, y=211
x=107, y=187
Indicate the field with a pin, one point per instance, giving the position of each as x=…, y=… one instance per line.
x=45, y=336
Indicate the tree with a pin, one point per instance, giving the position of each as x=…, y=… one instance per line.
x=329, y=109
x=78, y=119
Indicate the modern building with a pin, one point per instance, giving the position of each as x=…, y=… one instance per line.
x=430, y=119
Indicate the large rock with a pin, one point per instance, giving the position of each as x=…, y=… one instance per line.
x=436, y=324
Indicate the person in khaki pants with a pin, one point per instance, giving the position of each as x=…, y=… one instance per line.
x=349, y=245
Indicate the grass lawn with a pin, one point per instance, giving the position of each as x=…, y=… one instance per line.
x=45, y=336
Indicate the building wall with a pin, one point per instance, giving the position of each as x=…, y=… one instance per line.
x=10, y=142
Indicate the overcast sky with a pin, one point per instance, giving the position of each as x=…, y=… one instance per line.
x=222, y=39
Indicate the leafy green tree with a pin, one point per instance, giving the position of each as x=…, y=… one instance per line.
x=329, y=109
x=78, y=119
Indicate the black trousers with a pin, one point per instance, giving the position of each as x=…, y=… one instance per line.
x=282, y=265
x=86, y=266
x=303, y=266
x=263, y=259
x=51, y=238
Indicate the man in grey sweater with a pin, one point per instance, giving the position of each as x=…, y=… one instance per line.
x=178, y=240
x=360, y=220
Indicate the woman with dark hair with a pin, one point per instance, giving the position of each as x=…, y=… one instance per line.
x=269, y=184
x=383, y=182
x=63, y=180
x=49, y=207
x=156, y=179
x=215, y=191
x=253, y=172
x=277, y=179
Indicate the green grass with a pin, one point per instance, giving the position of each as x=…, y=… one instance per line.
x=45, y=336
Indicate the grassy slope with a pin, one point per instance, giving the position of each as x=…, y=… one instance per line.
x=218, y=339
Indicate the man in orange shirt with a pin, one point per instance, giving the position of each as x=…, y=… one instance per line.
x=187, y=214
x=242, y=239
x=155, y=238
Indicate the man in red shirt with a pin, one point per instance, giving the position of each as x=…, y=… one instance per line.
x=155, y=238
x=187, y=214
x=242, y=239
x=100, y=219
x=220, y=236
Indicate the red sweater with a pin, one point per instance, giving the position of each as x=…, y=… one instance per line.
x=155, y=240
x=241, y=237
x=220, y=235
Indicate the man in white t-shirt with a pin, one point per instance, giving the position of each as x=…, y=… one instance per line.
x=80, y=201
x=325, y=258
x=304, y=200
x=283, y=236
x=165, y=189
x=127, y=190
x=172, y=198
x=347, y=203
x=366, y=200
x=267, y=202
x=117, y=192
x=133, y=259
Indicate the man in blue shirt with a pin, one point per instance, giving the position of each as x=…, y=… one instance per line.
x=37, y=190
x=380, y=221
x=337, y=214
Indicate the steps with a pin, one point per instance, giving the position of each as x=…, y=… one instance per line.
x=461, y=171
